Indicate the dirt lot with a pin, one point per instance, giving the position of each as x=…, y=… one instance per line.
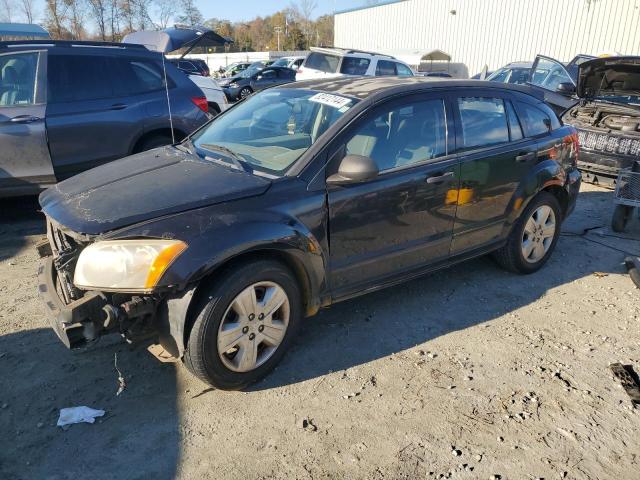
x=468, y=373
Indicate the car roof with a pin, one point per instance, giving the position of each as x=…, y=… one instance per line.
x=69, y=44
x=364, y=87
x=518, y=65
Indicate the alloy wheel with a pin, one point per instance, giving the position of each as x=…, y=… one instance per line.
x=538, y=235
x=253, y=326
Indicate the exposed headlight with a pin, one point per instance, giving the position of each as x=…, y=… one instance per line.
x=125, y=265
x=233, y=85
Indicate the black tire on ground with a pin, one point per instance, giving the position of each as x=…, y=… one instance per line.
x=154, y=141
x=245, y=92
x=510, y=256
x=201, y=354
x=214, y=109
x=621, y=214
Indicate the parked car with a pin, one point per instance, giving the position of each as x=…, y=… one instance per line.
x=191, y=66
x=253, y=80
x=301, y=196
x=336, y=62
x=515, y=72
x=233, y=69
x=186, y=38
x=556, y=80
x=66, y=107
x=607, y=117
x=289, y=62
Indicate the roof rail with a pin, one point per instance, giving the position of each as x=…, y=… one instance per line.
x=366, y=52
x=70, y=43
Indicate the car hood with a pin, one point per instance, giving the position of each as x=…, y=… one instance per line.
x=142, y=187
x=608, y=76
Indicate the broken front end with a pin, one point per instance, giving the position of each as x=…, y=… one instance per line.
x=91, y=287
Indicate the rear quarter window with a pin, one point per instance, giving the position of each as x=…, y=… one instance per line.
x=354, y=65
x=537, y=120
x=323, y=62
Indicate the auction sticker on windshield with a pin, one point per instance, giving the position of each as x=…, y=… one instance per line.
x=335, y=101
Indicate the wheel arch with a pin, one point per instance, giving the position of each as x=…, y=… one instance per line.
x=165, y=132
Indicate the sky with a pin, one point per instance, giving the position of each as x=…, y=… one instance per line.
x=248, y=9
x=251, y=8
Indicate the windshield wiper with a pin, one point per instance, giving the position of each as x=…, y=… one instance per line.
x=233, y=156
x=183, y=148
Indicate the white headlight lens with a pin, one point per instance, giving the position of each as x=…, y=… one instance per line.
x=130, y=265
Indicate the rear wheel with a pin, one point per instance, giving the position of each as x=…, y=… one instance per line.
x=155, y=141
x=244, y=325
x=621, y=214
x=533, y=237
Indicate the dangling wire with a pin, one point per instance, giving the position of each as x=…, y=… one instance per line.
x=166, y=89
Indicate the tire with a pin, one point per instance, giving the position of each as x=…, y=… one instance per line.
x=244, y=92
x=217, y=311
x=517, y=255
x=214, y=109
x=621, y=214
x=154, y=141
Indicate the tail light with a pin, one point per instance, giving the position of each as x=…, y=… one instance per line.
x=201, y=103
x=573, y=143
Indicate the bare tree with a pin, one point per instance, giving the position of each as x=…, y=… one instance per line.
x=190, y=13
x=28, y=10
x=99, y=13
x=76, y=12
x=6, y=10
x=56, y=18
x=166, y=11
x=302, y=13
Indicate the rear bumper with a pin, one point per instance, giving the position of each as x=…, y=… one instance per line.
x=76, y=323
x=572, y=187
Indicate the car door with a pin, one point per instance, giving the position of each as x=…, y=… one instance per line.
x=495, y=157
x=25, y=164
x=285, y=75
x=265, y=78
x=552, y=78
x=401, y=220
x=88, y=123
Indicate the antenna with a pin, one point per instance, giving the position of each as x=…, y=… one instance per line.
x=166, y=89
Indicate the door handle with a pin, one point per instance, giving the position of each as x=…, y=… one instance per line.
x=440, y=178
x=118, y=106
x=25, y=119
x=525, y=157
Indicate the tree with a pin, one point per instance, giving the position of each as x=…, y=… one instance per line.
x=28, y=10
x=166, y=11
x=98, y=9
x=6, y=10
x=76, y=16
x=190, y=13
x=56, y=18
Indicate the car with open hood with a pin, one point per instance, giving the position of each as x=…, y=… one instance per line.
x=607, y=117
x=298, y=197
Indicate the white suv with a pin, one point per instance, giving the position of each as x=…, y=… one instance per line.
x=336, y=62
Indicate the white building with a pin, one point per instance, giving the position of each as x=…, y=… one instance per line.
x=493, y=32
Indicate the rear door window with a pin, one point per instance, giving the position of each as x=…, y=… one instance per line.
x=73, y=78
x=484, y=121
x=403, y=70
x=323, y=62
x=536, y=121
x=385, y=68
x=354, y=65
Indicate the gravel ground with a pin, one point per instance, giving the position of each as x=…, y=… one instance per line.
x=470, y=373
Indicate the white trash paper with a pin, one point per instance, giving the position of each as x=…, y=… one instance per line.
x=69, y=416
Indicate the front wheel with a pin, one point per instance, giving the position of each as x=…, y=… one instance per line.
x=533, y=237
x=245, y=92
x=244, y=325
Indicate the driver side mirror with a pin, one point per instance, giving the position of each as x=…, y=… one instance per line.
x=354, y=169
x=566, y=88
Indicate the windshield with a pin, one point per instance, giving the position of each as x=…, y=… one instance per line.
x=249, y=72
x=269, y=131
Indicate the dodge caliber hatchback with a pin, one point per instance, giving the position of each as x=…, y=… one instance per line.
x=66, y=107
x=299, y=197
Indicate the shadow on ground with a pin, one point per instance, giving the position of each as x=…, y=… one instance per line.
x=140, y=436
x=20, y=217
